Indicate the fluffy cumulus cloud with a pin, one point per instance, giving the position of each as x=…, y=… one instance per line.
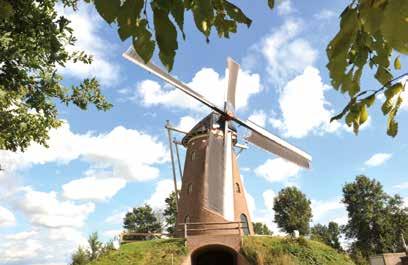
x=325, y=211
x=277, y=170
x=87, y=26
x=6, y=217
x=401, y=186
x=207, y=82
x=47, y=210
x=130, y=154
x=377, y=159
x=33, y=247
x=304, y=109
x=104, y=186
x=161, y=192
x=186, y=123
x=258, y=117
x=286, y=54
x=285, y=8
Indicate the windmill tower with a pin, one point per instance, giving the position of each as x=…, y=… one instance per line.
x=212, y=197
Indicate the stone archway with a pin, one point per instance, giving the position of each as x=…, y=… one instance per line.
x=214, y=255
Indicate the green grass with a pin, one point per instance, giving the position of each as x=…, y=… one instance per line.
x=288, y=251
x=257, y=250
x=163, y=252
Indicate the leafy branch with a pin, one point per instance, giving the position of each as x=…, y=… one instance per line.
x=371, y=31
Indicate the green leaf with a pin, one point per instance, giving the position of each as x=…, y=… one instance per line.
x=166, y=37
x=369, y=101
x=143, y=43
x=236, y=14
x=393, y=90
x=395, y=25
x=392, y=128
x=108, y=9
x=6, y=10
x=271, y=4
x=203, y=13
x=363, y=114
x=386, y=106
x=383, y=75
x=177, y=11
x=128, y=18
x=397, y=63
x=371, y=18
x=224, y=26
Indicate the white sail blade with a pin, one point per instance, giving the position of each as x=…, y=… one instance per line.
x=269, y=142
x=132, y=56
x=233, y=69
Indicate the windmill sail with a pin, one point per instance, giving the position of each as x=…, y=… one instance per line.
x=132, y=56
x=269, y=142
x=233, y=69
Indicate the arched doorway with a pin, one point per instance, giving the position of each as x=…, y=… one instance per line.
x=214, y=255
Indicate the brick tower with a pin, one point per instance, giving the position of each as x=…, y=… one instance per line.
x=208, y=194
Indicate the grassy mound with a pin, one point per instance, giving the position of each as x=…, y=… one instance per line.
x=257, y=250
x=163, y=251
x=288, y=251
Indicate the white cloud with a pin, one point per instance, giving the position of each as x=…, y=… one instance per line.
x=44, y=209
x=277, y=170
x=103, y=188
x=116, y=218
x=268, y=197
x=303, y=106
x=87, y=26
x=131, y=154
x=285, y=8
x=162, y=191
x=329, y=210
x=285, y=54
x=377, y=159
x=21, y=235
x=401, y=186
x=112, y=233
x=258, y=117
x=186, y=123
x=42, y=246
x=325, y=14
x=208, y=83
x=6, y=217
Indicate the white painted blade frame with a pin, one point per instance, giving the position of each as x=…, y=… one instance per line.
x=233, y=69
x=132, y=56
x=269, y=142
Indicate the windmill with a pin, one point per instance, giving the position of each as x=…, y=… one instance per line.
x=211, y=191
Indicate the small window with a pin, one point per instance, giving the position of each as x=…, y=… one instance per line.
x=244, y=223
x=193, y=155
x=237, y=188
x=190, y=188
x=187, y=219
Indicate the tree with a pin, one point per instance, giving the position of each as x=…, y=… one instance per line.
x=261, y=229
x=95, y=246
x=327, y=234
x=376, y=220
x=35, y=41
x=292, y=211
x=170, y=213
x=142, y=220
x=80, y=257
x=371, y=31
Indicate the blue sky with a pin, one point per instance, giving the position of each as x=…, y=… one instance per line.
x=100, y=164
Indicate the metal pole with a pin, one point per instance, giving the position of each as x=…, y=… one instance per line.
x=172, y=162
x=178, y=158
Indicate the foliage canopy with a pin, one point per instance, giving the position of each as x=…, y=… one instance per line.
x=34, y=42
x=292, y=211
